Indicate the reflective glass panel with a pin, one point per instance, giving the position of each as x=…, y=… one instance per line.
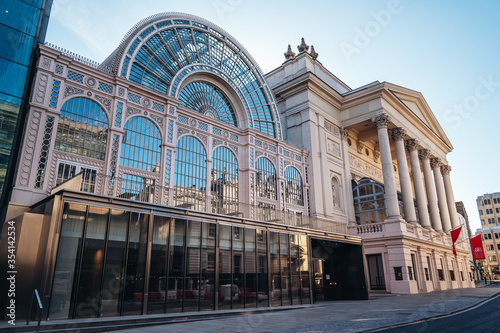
x=193, y=260
x=369, y=202
x=263, y=289
x=285, y=270
x=304, y=268
x=20, y=16
x=136, y=264
x=87, y=303
x=82, y=129
x=207, y=99
x=176, y=264
x=208, y=267
x=294, y=269
x=16, y=46
x=114, y=268
x=238, y=288
x=251, y=287
x=137, y=188
x=224, y=182
x=158, y=268
x=64, y=285
x=141, y=147
x=294, y=192
x=190, y=174
x=227, y=291
x=266, y=179
x=274, y=247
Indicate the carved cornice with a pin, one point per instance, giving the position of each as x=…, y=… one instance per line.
x=435, y=162
x=412, y=144
x=398, y=134
x=382, y=120
x=445, y=169
x=424, y=154
x=344, y=133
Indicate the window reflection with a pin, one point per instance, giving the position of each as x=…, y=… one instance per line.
x=293, y=188
x=141, y=147
x=224, y=182
x=82, y=129
x=266, y=179
x=190, y=174
x=369, y=202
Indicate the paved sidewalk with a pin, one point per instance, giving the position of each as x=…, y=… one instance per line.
x=342, y=316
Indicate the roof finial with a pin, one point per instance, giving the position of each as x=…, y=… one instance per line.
x=303, y=46
x=313, y=53
x=289, y=54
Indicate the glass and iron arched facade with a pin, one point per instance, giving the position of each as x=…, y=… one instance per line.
x=190, y=179
x=82, y=129
x=224, y=181
x=266, y=182
x=369, y=202
x=162, y=50
x=209, y=100
x=294, y=190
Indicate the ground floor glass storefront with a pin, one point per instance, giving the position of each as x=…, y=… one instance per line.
x=113, y=262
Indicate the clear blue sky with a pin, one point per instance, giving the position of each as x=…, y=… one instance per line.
x=448, y=50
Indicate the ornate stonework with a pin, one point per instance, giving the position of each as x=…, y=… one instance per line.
x=412, y=144
x=158, y=119
x=376, y=156
x=382, y=120
x=332, y=128
x=104, y=101
x=41, y=88
x=368, y=168
x=333, y=148
x=70, y=90
x=234, y=148
x=132, y=111
x=313, y=53
x=344, y=133
x=217, y=142
x=445, y=169
x=181, y=131
x=435, y=162
x=303, y=46
x=424, y=154
x=398, y=134
x=45, y=63
x=359, y=147
x=29, y=150
x=203, y=137
x=289, y=54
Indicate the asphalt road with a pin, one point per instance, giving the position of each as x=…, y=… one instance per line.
x=482, y=318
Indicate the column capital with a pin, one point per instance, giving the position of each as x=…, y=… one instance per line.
x=435, y=162
x=424, y=154
x=344, y=133
x=412, y=144
x=382, y=120
x=445, y=169
x=398, y=133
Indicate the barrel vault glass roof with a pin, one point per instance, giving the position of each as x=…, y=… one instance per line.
x=162, y=50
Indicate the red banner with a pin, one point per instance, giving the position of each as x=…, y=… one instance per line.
x=454, y=236
x=476, y=244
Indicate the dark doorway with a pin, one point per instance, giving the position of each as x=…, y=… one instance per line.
x=338, y=271
x=376, y=272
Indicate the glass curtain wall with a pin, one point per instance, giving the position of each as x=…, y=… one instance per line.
x=224, y=182
x=158, y=267
x=262, y=269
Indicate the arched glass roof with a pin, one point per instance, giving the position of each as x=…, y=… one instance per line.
x=208, y=100
x=165, y=48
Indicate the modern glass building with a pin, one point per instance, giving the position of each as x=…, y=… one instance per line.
x=22, y=27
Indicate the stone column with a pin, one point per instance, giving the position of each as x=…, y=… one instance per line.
x=446, y=169
x=443, y=205
x=425, y=155
x=398, y=135
x=351, y=216
x=423, y=212
x=391, y=195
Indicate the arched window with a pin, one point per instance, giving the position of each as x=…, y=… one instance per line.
x=141, y=147
x=190, y=174
x=208, y=100
x=82, y=129
x=369, y=202
x=266, y=179
x=224, y=176
x=294, y=193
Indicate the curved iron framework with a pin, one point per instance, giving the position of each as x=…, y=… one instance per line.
x=154, y=54
x=207, y=99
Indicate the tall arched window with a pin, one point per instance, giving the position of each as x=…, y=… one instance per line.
x=190, y=178
x=224, y=176
x=294, y=193
x=369, y=202
x=266, y=179
x=82, y=129
x=141, y=147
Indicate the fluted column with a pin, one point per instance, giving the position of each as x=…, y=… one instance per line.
x=455, y=223
x=391, y=195
x=398, y=134
x=423, y=212
x=443, y=205
x=351, y=216
x=425, y=155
